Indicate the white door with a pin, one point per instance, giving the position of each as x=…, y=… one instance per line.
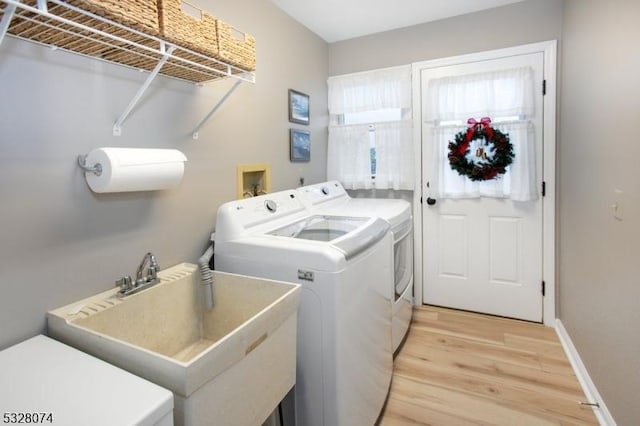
x=483, y=254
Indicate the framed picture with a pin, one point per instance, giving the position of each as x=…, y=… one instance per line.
x=299, y=145
x=298, y=107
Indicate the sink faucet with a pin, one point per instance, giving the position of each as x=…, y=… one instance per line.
x=128, y=286
x=152, y=270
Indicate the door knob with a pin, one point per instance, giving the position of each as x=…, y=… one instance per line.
x=431, y=201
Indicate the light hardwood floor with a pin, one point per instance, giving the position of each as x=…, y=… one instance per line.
x=460, y=368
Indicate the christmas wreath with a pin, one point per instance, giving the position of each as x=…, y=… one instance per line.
x=493, y=153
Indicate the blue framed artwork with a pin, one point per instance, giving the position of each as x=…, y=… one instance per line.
x=299, y=145
x=298, y=107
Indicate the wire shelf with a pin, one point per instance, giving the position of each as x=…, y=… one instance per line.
x=64, y=26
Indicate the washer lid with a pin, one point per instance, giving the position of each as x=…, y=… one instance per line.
x=41, y=375
x=394, y=211
x=351, y=235
x=320, y=227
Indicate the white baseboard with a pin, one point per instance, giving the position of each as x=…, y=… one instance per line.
x=588, y=387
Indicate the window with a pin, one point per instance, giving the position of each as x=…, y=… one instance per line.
x=370, y=135
x=370, y=118
x=506, y=97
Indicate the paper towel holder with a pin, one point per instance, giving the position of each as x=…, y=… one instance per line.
x=96, y=169
x=111, y=169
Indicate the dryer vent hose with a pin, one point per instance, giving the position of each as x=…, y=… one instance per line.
x=206, y=275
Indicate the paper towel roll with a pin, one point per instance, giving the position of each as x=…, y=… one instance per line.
x=135, y=169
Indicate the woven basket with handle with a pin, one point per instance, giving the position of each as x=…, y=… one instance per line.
x=141, y=15
x=181, y=28
x=236, y=47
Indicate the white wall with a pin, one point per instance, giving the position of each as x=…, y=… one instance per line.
x=60, y=242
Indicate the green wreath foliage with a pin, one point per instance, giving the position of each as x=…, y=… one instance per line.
x=488, y=168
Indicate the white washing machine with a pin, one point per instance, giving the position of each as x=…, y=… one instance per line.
x=332, y=198
x=344, y=359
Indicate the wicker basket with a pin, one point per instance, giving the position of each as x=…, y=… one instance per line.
x=141, y=15
x=41, y=28
x=238, y=51
x=178, y=27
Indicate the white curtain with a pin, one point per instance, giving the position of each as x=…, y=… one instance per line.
x=501, y=94
x=491, y=94
x=348, y=156
x=394, y=153
x=518, y=183
x=370, y=91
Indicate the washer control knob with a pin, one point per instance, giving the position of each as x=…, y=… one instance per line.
x=271, y=205
x=325, y=190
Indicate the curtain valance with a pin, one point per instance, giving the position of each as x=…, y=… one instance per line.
x=505, y=93
x=369, y=91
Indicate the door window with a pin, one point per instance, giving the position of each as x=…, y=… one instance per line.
x=506, y=98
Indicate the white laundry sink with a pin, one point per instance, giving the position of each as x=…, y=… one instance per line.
x=232, y=363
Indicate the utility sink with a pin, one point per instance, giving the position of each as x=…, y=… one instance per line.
x=231, y=364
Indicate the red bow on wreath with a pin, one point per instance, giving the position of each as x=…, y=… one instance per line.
x=490, y=167
x=484, y=123
x=472, y=123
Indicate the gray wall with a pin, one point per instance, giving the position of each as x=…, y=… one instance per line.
x=599, y=151
x=60, y=242
x=520, y=23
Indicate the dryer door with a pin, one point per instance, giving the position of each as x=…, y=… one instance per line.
x=403, y=260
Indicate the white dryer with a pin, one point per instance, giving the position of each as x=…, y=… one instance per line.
x=332, y=198
x=344, y=329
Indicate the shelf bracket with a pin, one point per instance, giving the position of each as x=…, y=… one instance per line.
x=215, y=108
x=6, y=20
x=117, y=127
x=42, y=6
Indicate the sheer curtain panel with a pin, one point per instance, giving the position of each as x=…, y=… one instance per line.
x=518, y=183
x=348, y=159
x=370, y=91
x=504, y=93
x=394, y=153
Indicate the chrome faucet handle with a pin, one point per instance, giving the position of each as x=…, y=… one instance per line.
x=152, y=272
x=154, y=268
x=125, y=283
x=154, y=263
